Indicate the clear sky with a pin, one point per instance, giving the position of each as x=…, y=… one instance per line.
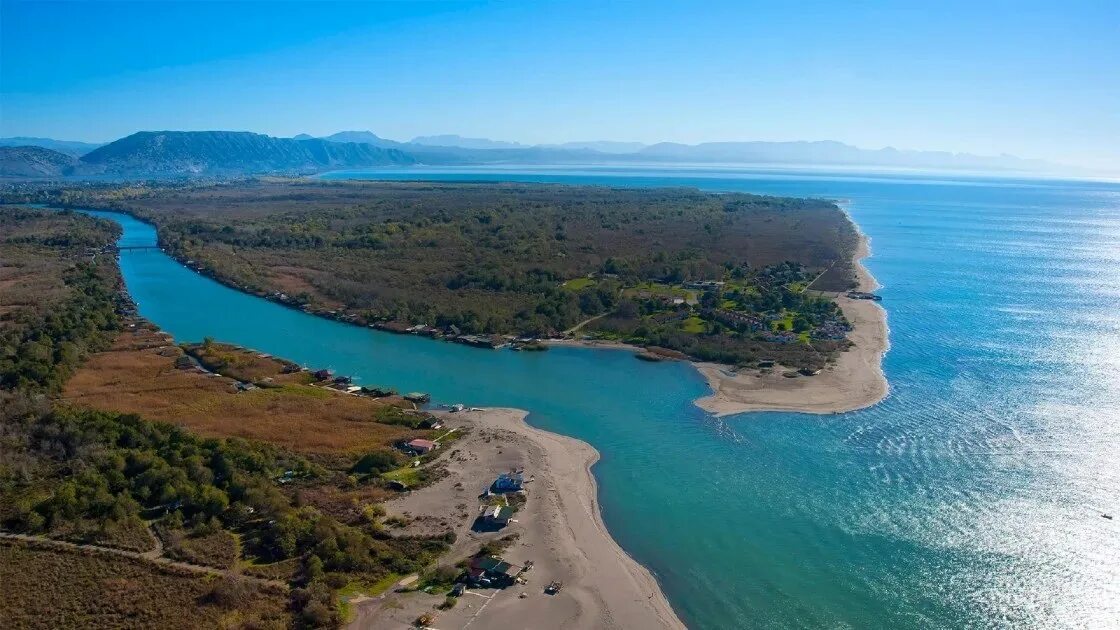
x=1028, y=78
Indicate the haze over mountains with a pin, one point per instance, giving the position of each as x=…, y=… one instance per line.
x=227, y=153
x=69, y=147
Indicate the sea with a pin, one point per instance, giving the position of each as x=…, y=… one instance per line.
x=976, y=495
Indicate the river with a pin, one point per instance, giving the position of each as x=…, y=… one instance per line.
x=972, y=496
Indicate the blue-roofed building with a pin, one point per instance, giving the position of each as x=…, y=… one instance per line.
x=509, y=482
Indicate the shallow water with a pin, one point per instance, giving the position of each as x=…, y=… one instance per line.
x=972, y=496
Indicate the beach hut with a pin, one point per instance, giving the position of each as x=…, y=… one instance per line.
x=491, y=571
x=421, y=446
x=509, y=482
x=497, y=515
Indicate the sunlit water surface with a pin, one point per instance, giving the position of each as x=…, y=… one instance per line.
x=971, y=497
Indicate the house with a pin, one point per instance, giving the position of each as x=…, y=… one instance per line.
x=491, y=571
x=509, y=482
x=497, y=515
x=421, y=446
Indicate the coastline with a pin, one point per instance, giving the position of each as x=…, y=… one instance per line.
x=560, y=529
x=854, y=381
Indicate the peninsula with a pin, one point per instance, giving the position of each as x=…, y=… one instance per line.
x=740, y=280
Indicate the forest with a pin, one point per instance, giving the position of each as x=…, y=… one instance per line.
x=61, y=295
x=516, y=259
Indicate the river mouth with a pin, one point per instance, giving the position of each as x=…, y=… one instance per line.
x=972, y=495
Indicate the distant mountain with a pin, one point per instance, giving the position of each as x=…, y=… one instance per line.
x=229, y=152
x=69, y=147
x=362, y=137
x=452, y=140
x=602, y=146
x=30, y=161
x=178, y=153
x=830, y=153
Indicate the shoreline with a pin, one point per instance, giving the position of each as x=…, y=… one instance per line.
x=625, y=591
x=560, y=529
x=854, y=381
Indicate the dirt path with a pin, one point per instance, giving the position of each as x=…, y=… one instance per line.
x=146, y=556
x=573, y=329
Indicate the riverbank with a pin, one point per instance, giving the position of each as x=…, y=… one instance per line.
x=854, y=381
x=559, y=529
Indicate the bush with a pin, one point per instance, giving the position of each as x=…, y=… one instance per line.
x=377, y=462
x=448, y=603
x=229, y=592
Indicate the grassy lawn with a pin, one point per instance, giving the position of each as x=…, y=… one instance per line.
x=407, y=475
x=355, y=588
x=785, y=323
x=577, y=284
x=693, y=325
x=745, y=289
x=659, y=289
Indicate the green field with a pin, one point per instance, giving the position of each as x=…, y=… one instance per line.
x=693, y=325
x=577, y=284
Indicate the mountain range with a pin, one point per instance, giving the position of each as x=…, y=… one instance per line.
x=179, y=153
x=231, y=153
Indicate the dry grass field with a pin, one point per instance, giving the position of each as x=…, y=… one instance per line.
x=54, y=588
x=138, y=375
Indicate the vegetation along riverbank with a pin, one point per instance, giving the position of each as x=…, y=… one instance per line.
x=265, y=494
x=733, y=279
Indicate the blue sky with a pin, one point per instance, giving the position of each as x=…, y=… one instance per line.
x=1031, y=79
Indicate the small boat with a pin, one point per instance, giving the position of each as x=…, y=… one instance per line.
x=1108, y=516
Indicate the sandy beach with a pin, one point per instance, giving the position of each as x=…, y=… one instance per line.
x=559, y=528
x=854, y=381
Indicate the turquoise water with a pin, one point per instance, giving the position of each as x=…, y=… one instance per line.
x=971, y=497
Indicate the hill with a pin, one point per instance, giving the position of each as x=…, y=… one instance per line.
x=225, y=152
x=30, y=161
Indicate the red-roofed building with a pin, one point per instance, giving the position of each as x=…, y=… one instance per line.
x=421, y=446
